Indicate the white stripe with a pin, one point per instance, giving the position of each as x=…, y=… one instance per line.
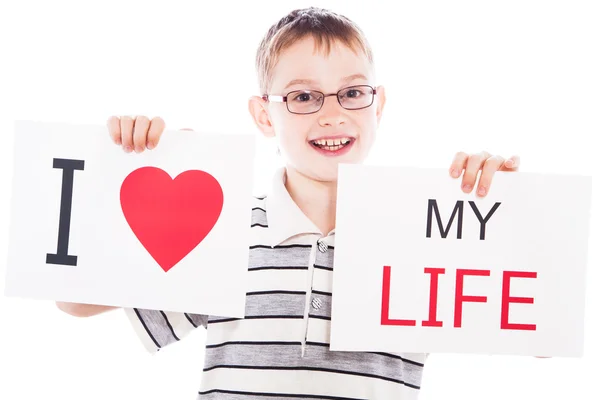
x=259, y=236
x=277, y=279
x=306, y=382
x=265, y=330
x=323, y=280
x=319, y=330
x=140, y=331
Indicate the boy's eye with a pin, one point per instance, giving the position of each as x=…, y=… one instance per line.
x=353, y=93
x=304, y=97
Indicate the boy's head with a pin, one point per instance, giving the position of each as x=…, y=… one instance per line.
x=308, y=54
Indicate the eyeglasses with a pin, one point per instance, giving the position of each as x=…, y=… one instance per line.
x=311, y=101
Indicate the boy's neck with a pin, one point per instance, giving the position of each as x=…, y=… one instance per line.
x=316, y=199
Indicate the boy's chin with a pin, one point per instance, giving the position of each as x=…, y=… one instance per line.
x=323, y=169
x=328, y=172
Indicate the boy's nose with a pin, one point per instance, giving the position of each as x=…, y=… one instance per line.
x=332, y=113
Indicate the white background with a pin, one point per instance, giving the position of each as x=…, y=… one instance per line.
x=508, y=77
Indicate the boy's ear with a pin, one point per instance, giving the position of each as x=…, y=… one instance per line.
x=258, y=110
x=380, y=102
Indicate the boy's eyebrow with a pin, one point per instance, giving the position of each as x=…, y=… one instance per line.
x=311, y=81
x=299, y=82
x=353, y=77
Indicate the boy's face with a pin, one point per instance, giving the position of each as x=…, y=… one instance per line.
x=314, y=144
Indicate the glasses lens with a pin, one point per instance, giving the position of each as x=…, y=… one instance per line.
x=304, y=101
x=355, y=97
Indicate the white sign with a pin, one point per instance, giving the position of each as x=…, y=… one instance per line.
x=422, y=267
x=166, y=229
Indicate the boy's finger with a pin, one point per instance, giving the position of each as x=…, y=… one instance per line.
x=157, y=126
x=511, y=164
x=474, y=164
x=490, y=166
x=458, y=164
x=114, y=129
x=140, y=133
x=127, y=133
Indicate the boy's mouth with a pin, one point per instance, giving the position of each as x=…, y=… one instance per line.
x=332, y=144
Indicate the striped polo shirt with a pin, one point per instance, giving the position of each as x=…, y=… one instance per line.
x=280, y=349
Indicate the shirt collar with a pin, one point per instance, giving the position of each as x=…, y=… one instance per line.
x=284, y=217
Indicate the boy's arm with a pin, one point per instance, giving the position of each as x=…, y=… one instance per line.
x=83, y=310
x=155, y=329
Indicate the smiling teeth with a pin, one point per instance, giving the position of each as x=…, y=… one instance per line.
x=332, y=142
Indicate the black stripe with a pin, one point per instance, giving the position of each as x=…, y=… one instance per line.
x=281, y=246
x=257, y=317
x=259, y=224
x=317, y=344
x=323, y=267
x=291, y=396
x=406, y=360
x=260, y=198
x=146, y=328
x=263, y=268
x=316, y=369
x=319, y=317
x=169, y=325
x=323, y=293
x=189, y=319
x=212, y=346
x=218, y=321
x=259, y=208
x=274, y=292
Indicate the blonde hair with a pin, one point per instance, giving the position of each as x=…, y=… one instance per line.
x=324, y=26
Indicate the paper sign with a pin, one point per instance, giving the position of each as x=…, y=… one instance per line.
x=421, y=266
x=165, y=229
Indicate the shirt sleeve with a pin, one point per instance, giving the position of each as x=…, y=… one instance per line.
x=157, y=329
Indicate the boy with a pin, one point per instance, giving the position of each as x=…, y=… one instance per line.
x=320, y=103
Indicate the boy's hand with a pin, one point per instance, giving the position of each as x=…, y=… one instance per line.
x=135, y=133
x=484, y=161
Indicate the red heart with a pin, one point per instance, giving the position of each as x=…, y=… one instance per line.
x=170, y=217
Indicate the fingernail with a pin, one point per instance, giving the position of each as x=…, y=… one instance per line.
x=150, y=146
x=509, y=163
x=481, y=191
x=127, y=149
x=138, y=149
x=454, y=173
x=467, y=188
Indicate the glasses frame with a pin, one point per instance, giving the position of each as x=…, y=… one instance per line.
x=284, y=99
